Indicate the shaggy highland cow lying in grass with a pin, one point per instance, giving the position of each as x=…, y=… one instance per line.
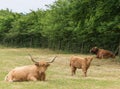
x=101, y=53
x=30, y=72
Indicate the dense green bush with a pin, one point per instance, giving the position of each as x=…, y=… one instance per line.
x=69, y=25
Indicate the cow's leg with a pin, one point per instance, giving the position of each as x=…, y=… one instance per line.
x=73, y=70
x=9, y=80
x=99, y=56
x=84, y=71
x=32, y=78
x=43, y=77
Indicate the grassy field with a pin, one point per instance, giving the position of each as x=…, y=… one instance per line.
x=102, y=74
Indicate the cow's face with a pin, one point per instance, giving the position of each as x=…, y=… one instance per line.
x=89, y=58
x=42, y=66
x=94, y=50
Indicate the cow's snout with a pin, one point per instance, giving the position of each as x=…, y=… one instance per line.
x=42, y=70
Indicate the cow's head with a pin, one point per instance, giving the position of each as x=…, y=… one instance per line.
x=94, y=50
x=89, y=58
x=42, y=65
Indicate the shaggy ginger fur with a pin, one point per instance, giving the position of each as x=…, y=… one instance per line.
x=80, y=63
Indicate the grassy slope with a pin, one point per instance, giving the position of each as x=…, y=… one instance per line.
x=103, y=74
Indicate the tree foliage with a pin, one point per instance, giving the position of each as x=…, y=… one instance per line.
x=69, y=25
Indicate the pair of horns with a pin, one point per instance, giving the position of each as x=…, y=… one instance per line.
x=37, y=62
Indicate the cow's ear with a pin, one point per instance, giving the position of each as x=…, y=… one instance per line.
x=37, y=64
x=48, y=64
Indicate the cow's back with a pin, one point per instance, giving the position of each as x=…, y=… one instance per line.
x=76, y=62
x=21, y=73
x=106, y=53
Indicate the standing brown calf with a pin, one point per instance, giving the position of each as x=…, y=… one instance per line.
x=30, y=72
x=101, y=53
x=80, y=63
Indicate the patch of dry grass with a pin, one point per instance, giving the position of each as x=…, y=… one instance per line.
x=102, y=74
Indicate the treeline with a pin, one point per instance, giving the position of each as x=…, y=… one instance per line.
x=69, y=25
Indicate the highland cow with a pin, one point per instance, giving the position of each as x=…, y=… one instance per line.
x=80, y=63
x=30, y=72
x=101, y=53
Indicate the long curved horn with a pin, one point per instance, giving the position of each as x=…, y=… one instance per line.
x=52, y=60
x=32, y=58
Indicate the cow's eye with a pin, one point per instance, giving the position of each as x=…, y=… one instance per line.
x=37, y=64
x=47, y=65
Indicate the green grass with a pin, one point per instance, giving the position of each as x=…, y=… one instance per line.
x=103, y=74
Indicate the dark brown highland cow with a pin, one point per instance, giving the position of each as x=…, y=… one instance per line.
x=101, y=53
